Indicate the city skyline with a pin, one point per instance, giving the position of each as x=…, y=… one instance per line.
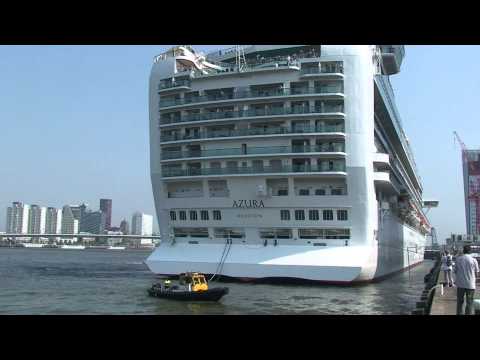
x=22, y=217
x=75, y=89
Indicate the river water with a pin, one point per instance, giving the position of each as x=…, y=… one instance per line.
x=55, y=281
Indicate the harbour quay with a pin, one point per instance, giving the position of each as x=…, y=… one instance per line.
x=436, y=298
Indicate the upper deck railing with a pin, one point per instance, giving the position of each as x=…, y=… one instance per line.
x=384, y=84
x=325, y=167
x=327, y=128
x=326, y=147
x=330, y=89
x=338, y=108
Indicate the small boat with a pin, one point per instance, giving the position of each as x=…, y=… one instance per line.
x=195, y=289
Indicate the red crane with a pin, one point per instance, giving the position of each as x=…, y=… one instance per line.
x=473, y=181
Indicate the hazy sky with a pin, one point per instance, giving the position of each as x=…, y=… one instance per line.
x=74, y=125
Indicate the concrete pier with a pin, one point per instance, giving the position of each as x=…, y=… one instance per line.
x=446, y=304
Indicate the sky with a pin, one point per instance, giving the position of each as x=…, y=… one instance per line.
x=74, y=125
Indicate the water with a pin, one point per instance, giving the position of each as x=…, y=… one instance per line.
x=54, y=281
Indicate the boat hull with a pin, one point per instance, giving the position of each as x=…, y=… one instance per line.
x=214, y=294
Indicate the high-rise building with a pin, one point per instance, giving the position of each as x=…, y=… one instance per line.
x=106, y=207
x=124, y=227
x=93, y=222
x=70, y=225
x=37, y=219
x=471, y=178
x=17, y=218
x=142, y=224
x=471, y=183
x=78, y=211
x=53, y=221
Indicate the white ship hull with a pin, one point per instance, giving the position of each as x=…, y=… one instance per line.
x=339, y=264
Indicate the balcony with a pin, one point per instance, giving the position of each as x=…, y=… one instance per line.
x=317, y=72
x=334, y=148
x=336, y=91
x=381, y=159
x=392, y=57
x=386, y=109
x=336, y=169
x=384, y=182
x=332, y=129
x=174, y=85
x=271, y=112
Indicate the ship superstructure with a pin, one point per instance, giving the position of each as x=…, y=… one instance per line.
x=284, y=161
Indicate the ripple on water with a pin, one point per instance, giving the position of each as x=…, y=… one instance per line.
x=100, y=282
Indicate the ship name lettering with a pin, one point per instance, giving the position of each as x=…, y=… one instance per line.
x=248, y=204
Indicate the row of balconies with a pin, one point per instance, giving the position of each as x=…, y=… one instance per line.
x=322, y=167
x=333, y=68
x=328, y=147
x=329, y=89
x=336, y=128
x=273, y=111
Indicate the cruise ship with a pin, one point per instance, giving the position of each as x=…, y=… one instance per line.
x=283, y=162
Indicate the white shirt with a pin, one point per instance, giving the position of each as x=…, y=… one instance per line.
x=466, y=269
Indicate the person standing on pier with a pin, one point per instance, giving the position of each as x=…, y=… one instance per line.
x=447, y=263
x=466, y=270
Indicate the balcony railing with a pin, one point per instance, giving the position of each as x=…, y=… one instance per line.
x=172, y=84
x=384, y=84
x=253, y=113
x=252, y=94
x=322, y=168
x=338, y=69
x=210, y=134
x=334, y=147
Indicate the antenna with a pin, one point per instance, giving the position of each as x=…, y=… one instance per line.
x=240, y=58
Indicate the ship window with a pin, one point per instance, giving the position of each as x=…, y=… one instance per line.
x=267, y=233
x=217, y=215
x=271, y=233
x=313, y=215
x=173, y=215
x=304, y=192
x=204, y=214
x=299, y=215
x=193, y=215
x=327, y=214
x=324, y=233
x=338, y=191
x=218, y=188
x=311, y=233
x=337, y=233
x=182, y=215
x=180, y=232
x=342, y=215
x=320, y=192
x=198, y=232
x=284, y=233
x=285, y=214
x=226, y=233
